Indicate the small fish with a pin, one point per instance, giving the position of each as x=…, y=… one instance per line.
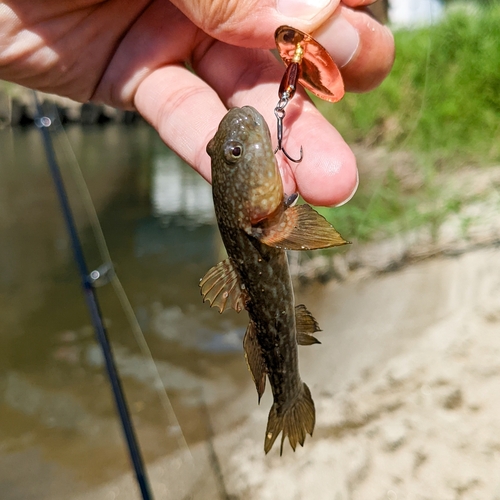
x=257, y=224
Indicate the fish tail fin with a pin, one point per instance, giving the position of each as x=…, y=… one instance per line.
x=297, y=419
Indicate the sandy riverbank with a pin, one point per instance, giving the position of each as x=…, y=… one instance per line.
x=405, y=385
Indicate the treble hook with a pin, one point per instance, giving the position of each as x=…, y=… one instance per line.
x=285, y=93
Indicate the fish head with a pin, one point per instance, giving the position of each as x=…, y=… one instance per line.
x=244, y=168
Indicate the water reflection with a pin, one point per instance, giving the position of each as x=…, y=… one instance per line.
x=179, y=196
x=57, y=420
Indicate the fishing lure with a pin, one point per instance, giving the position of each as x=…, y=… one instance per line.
x=308, y=63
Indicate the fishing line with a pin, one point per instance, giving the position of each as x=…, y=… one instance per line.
x=212, y=453
x=106, y=274
x=43, y=123
x=426, y=80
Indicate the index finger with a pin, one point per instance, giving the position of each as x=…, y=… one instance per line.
x=187, y=109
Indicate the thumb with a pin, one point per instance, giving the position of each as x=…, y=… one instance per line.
x=252, y=23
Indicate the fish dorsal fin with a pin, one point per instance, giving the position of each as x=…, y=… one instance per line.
x=299, y=228
x=255, y=360
x=306, y=325
x=221, y=287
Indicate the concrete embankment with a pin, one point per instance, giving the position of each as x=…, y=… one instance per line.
x=17, y=108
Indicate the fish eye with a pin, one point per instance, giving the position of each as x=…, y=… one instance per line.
x=233, y=151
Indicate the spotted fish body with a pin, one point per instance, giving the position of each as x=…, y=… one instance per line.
x=257, y=226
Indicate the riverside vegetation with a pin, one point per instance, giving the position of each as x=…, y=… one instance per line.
x=436, y=117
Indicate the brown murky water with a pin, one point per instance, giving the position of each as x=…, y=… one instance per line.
x=59, y=434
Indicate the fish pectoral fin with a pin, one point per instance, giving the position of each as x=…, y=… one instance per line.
x=300, y=228
x=255, y=360
x=221, y=287
x=297, y=419
x=306, y=325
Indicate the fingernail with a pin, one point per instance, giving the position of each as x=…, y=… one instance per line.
x=340, y=38
x=303, y=9
x=353, y=192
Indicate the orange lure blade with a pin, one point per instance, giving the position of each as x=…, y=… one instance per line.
x=316, y=70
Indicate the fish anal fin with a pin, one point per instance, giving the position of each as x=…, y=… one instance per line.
x=221, y=287
x=295, y=421
x=299, y=227
x=255, y=360
x=306, y=325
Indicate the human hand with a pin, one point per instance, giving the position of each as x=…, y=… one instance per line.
x=133, y=54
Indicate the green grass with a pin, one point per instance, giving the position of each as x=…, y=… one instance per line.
x=441, y=102
x=442, y=96
x=386, y=208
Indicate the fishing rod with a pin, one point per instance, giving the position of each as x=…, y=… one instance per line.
x=87, y=283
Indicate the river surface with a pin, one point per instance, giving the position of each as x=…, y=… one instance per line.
x=59, y=434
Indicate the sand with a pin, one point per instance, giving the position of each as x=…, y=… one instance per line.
x=406, y=384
